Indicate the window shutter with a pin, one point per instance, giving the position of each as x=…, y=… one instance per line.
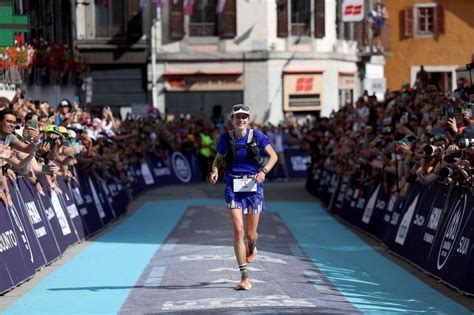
x=319, y=19
x=176, y=19
x=228, y=20
x=439, y=19
x=282, y=18
x=134, y=19
x=409, y=22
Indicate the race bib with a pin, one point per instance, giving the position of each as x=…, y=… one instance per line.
x=245, y=184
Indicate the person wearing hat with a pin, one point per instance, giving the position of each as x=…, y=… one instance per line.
x=239, y=150
x=64, y=114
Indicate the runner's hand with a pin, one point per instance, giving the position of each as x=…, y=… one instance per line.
x=213, y=177
x=260, y=177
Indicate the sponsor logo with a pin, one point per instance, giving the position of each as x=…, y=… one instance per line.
x=463, y=247
x=369, y=208
x=419, y=220
x=7, y=241
x=434, y=218
x=300, y=163
x=405, y=224
x=72, y=211
x=77, y=196
x=21, y=229
x=181, y=167
x=451, y=233
x=35, y=219
x=162, y=171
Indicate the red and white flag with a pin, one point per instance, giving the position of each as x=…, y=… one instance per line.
x=220, y=6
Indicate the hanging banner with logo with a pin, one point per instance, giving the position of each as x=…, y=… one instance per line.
x=72, y=211
x=32, y=253
x=59, y=223
x=38, y=220
x=449, y=256
x=85, y=203
x=99, y=201
x=297, y=163
x=13, y=269
x=118, y=195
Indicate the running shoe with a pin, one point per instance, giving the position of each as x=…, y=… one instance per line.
x=244, y=285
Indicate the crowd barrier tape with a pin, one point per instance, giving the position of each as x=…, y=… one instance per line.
x=432, y=227
x=37, y=229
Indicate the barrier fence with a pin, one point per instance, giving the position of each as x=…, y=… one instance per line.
x=433, y=227
x=38, y=229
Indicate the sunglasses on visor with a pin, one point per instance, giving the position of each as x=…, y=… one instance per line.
x=239, y=107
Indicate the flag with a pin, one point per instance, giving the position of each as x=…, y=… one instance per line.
x=158, y=3
x=142, y=5
x=220, y=6
x=189, y=7
x=106, y=4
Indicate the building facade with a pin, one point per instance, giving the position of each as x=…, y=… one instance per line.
x=189, y=56
x=434, y=34
x=278, y=56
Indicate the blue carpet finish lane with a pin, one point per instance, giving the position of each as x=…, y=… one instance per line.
x=100, y=277
x=368, y=280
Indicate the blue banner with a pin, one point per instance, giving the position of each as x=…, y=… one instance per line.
x=13, y=269
x=32, y=253
x=69, y=204
x=38, y=220
x=84, y=201
x=433, y=226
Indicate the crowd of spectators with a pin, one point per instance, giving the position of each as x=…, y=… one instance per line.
x=39, y=138
x=417, y=134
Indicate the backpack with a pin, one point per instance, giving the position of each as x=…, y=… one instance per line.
x=253, y=151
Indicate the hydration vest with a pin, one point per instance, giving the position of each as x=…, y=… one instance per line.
x=253, y=152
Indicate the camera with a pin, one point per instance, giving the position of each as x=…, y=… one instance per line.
x=465, y=143
x=430, y=149
x=458, y=174
x=453, y=157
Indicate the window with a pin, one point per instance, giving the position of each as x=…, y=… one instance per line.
x=204, y=18
x=118, y=19
x=424, y=20
x=303, y=14
x=301, y=18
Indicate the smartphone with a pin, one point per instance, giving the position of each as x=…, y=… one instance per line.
x=33, y=123
x=65, y=143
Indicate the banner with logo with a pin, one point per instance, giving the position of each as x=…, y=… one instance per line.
x=69, y=204
x=425, y=227
x=56, y=216
x=297, y=163
x=33, y=256
x=13, y=269
x=38, y=220
x=85, y=203
x=449, y=256
x=102, y=207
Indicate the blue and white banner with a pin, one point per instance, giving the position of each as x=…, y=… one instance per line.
x=433, y=226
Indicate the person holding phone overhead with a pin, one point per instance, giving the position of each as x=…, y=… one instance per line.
x=239, y=151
